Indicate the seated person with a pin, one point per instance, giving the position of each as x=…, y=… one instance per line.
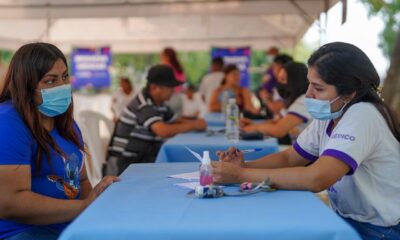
x=212, y=80
x=146, y=122
x=292, y=86
x=268, y=94
x=121, y=97
x=44, y=184
x=230, y=88
x=351, y=149
x=192, y=103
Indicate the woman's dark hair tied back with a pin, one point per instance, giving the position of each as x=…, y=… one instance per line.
x=297, y=82
x=349, y=69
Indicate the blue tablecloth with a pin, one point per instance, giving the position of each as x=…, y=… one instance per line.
x=215, y=119
x=146, y=205
x=174, y=149
x=218, y=120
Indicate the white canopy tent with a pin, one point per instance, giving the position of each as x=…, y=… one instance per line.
x=150, y=25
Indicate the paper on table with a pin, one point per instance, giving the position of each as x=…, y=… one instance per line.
x=187, y=176
x=187, y=185
x=195, y=154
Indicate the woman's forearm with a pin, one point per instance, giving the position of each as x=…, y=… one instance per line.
x=266, y=128
x=32, y=208
x=297, y=178
x=283, y=159
x=86, y=188
x=276, y=160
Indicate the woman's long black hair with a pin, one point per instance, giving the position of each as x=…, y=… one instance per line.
x=28, y=66
x=350, y=70
x=297, y=82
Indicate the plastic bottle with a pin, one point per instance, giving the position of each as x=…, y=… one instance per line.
x=232, y=121
x=224, y=103
x=206, y=177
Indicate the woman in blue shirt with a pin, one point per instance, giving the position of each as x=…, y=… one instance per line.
x=44, y=182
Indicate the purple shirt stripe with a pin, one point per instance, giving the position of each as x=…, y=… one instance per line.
x=329, y=129
x=303, y=153
x=342, y=156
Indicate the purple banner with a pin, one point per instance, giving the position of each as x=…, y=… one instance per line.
x=237, y=56
x=90, y=67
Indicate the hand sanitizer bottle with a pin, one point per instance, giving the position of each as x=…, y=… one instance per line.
x=206, y=177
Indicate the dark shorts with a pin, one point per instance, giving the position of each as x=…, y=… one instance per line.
x=373, y=232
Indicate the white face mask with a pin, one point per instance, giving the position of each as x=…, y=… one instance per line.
x=321, y=109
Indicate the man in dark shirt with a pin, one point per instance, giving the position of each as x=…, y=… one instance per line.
x=146, y=122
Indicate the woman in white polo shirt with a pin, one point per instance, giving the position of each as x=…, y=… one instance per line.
x=353, y=145
x=292, y=86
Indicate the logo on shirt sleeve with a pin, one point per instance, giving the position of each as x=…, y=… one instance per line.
x=344, y=136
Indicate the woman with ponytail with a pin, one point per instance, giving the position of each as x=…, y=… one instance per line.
x=352, y=148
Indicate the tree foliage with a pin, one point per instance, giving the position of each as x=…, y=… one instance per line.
x=389, y=11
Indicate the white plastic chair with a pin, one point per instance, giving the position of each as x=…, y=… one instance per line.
x=91, y=128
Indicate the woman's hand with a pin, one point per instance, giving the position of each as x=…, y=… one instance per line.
x=226, y=172
x=245, y=122
x=250, y=128
x=232, y=155
x=99, y=188
x=200, y=124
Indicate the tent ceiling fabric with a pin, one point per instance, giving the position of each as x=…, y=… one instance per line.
x=148, y=26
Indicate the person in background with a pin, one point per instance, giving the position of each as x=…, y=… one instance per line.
x=192, y=103
x=121, y=97
x=146, y=122
x=230, y=86
x=268, y=95
x=169, y=57
x=270, y=79
x=212, y=80
x=42, y=171
x=352, y=148
x=292, y=85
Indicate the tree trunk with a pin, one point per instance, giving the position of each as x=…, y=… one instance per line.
x=391, y=87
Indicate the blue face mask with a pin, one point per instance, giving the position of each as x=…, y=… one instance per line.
x=56, y=100
x=321, y=109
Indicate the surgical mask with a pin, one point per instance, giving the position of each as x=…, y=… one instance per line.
x=56, y=100
x=321, y=109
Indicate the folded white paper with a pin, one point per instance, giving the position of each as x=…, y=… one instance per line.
x=187, y=176
x=195, y=154
x=187, y=185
